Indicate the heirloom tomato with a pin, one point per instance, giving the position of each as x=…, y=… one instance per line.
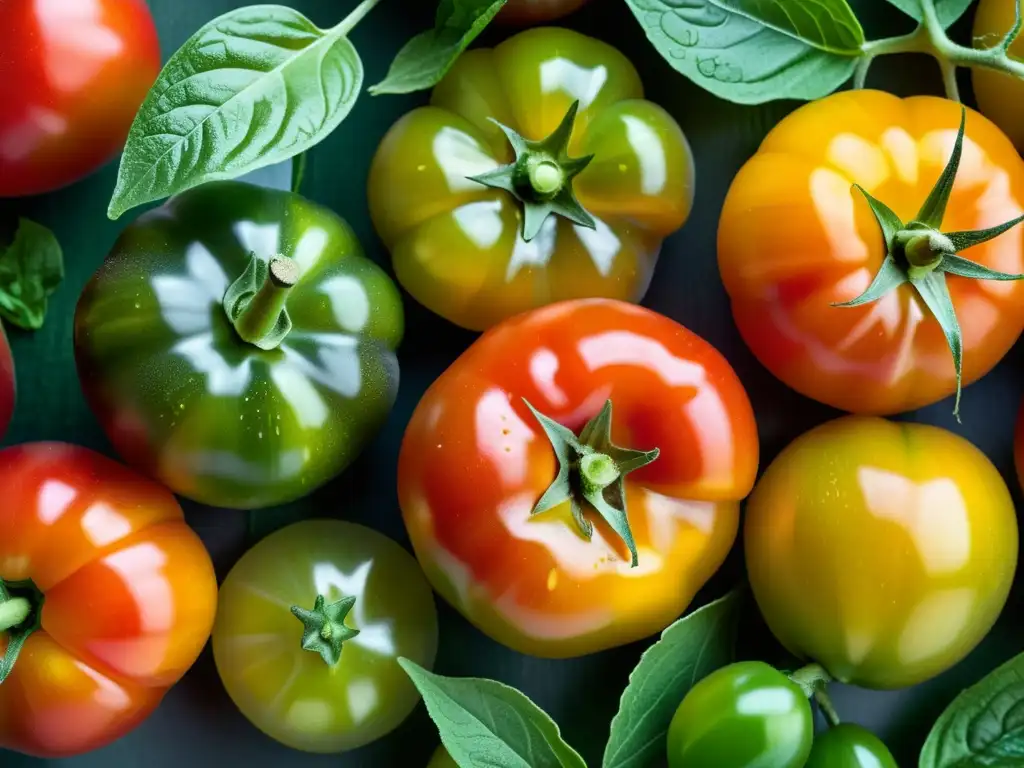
x=7, y=383
x=745, y=715
x=815, y=219
x=1000, y=96
x=310, y=626
x=238, y=346
x=849, y=746
x=883, y=551
x=510, y=475
x=538, y=173
x=72, y=76
x=537, y=11
x=106, y=598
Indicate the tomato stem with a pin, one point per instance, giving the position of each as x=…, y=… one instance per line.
x=14, y=612
x=597, y=472
x=324, y=628
x=20, y=616
x=546, y=177
x=813, y=681
x=355, y=16
x=255, y=302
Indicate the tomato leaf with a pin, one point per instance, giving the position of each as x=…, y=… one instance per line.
x=688, y=651
x=31, y=268
x=948, y=11
x=425, y=59
x=484, y=722
x=983, y=726
x=253, y=87
x=934, y=207
x=753, y=51
x=934, y=290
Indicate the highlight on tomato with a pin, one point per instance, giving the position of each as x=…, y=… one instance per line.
x=310, y=625
x=7, y=383
x=870, y=253
x=882, y=551
x=106, y=599
x=74, y=75
x=1000, y=96
x=574, y=478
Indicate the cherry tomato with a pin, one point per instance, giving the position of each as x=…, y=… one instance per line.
x=849, y=746
x=441, y=759
x=7, y=383
x=115, y=593
x=310, y=626
x=884, y=551
x=999, y=96
x=71, y=81
x=795, y=237
x=526, y=12
x=745, y=715
x=544, y=571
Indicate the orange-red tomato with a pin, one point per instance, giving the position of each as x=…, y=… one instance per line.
x=537, y=11
x=795, y=236
x=7, y=384
x=475, y=461
x=1000, y=96
x=123, y=591
x=72, y=76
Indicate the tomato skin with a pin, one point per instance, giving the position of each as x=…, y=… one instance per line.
x=795, y=236
x=130, y=595
x=848, y=745
x=7, y=383
x=474, y=461
x=884, y=551
x=70, y=87
x=441, y=759
x=295, y=697
x=999, y=96
x=537, y=11
x=719, y=724
x=1018, y=446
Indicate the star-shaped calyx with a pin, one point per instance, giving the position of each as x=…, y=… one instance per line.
x=591, y=470
x=541, y=176
x=325, y=630
x=919, y=254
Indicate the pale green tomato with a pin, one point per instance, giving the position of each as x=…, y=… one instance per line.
x=442, y=759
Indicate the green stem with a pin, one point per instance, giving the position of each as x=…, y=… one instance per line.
x=914, y=42
x=546, y=178
x=813, y=681
x=358, y=14
x=14, y=612
x=597, y=472
x=324, y=628
x=825, y=705
x=262, y=314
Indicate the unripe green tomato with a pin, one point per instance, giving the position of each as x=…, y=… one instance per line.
x=441, y=759
x=848, y=745
x=745, y=715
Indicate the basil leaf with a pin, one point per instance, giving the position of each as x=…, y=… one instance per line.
x=31, y=268
x=948, y=11
x=688, y=651
x=253, y=87
x=753, y=51
x=484, y=722
x=983, y=726
x=425, y=59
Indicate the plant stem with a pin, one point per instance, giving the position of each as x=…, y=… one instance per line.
x=914, y=42
x=358, y=14
x=825, y=705
x=13, y=612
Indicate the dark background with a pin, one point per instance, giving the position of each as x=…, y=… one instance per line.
x=197, y=723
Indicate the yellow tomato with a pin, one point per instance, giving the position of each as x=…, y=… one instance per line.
x=1000, y=97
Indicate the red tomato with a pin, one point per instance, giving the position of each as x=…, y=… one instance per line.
x=537, y=11
x=72, y=76
x=475, y=461
x=121, y=590
x=6, y=383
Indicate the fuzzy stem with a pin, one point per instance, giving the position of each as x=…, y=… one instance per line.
x=13, y=612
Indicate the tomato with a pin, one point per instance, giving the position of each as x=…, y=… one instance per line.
x=7, y=383
x=523, y=526
x=849, y=746
x=71, y=82
x=883, y=551
x=796, y=237
x=745, y=715
x=537, y=11
x=112, y=593
x=310, y=626
x=441, y=759
x=1018, y=446
x=999, y=96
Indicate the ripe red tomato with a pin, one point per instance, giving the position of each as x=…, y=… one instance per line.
x=6, y=383
x=525, y=12
x=72, y=76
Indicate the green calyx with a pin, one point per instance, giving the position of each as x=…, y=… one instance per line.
x=919, y=254
x=590, y=472
x=21, y=610
x=541, y=176
x=255, y=302
x=814, y=681
x=325, y=631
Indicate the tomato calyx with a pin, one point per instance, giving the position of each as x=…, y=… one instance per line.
x=814, y=680
x=920, y=254
x=541, y=176
x=325, y=631
x=591, y=469
x=255, y=302
x=21, y=605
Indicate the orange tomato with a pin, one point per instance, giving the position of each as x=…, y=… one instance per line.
x=475, y=461
x=1000, y=97
x=796, y=237
x=121, y=589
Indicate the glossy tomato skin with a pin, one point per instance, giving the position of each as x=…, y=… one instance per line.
x=745, y=715
x=130, y=597
x=474, y=461
x=884, y=551
x=7, y=383
x=848, y=745
x=537, y=11
x=290, y=693
x=999, y=96
x=795, y=237
x=71, y=83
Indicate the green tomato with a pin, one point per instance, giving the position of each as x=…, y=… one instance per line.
x=442, y=759
x=745, y=715
x=310, y=625
x=237, y=346
x=848, y=745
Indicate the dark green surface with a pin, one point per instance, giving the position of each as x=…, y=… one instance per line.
x=197, y=724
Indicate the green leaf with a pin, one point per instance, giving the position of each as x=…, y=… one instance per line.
x=935, y=293
x=956, y=265
x=964, y=240
x=888, y=221
x=31, y=268
x=948, y=11
x=425, y=59
x=487, y=723
x=688, y=651
x=753, y=51
x=253, y=87
x=983, y=726
x=934, y=208
x=890, y=275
